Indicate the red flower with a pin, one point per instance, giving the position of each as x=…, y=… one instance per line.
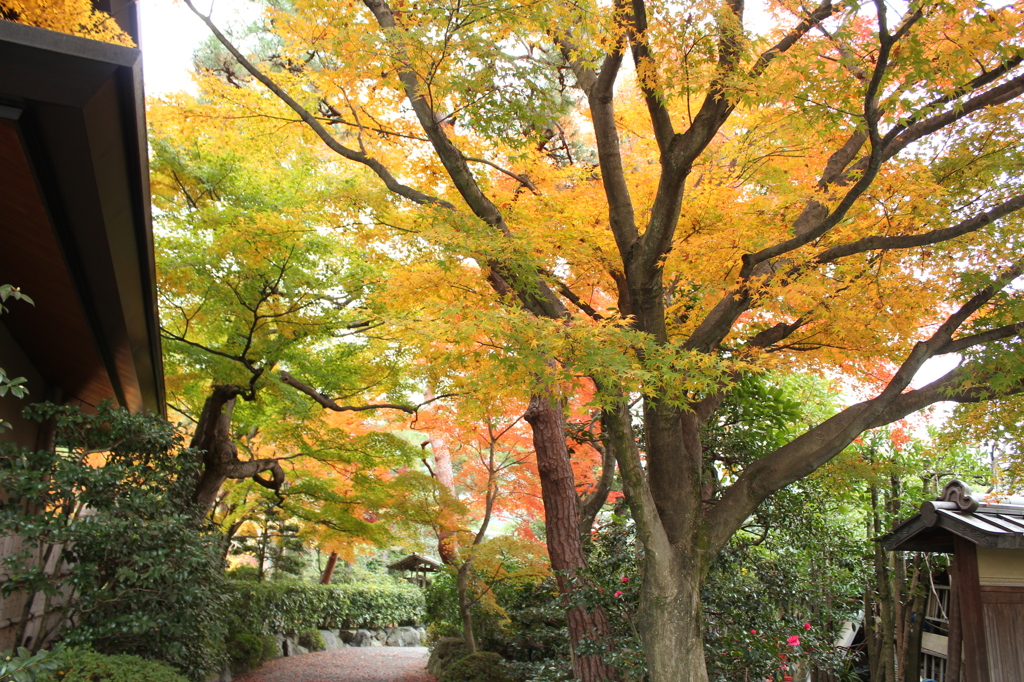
x=753, y=632
x=807, y=626
x=617, y=594
x=625, y=579
x=793, y=640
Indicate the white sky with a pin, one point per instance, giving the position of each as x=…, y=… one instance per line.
x=171, y=33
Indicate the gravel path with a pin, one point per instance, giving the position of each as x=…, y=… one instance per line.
x=350, y=664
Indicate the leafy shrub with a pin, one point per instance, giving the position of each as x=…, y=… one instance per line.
x=24, y=666
x=444, y=653
x=145, y=569
x=250, y=651
x=85, y=665
x=439, y=629
x=293, y=607
x=243, y=572
x=483, y=666
x=523, y=621
x=312, y=640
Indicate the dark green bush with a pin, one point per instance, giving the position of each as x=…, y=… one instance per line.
x=293, y=607
x=85, y=665
x=250, y=651
x=312, y=640
x=483, y=666
x=145, y=569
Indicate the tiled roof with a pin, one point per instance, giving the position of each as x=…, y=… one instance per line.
x=987, y=522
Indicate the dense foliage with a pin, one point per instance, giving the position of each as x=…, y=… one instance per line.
x=276, y=607
x=85, y=665
x=483, y=666
x=112, y=501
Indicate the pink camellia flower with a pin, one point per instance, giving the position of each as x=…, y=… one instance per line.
x=617, y=594
x=807, y=626
x=625, y=579
x=793, y=640
x=753, y=632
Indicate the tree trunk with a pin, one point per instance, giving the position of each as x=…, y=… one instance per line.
x=219, y=455
x=670, y=618
x=461, y=582
x=325, y=577
x=561, y=517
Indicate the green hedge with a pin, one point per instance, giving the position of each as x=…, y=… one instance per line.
x=85, y=665
x=281, y=607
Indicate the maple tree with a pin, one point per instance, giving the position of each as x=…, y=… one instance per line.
x=76, y=17
x=258, y=298
x=838, y=190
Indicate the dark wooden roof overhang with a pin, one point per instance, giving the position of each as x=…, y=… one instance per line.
x=957, y=514
x=75, y=222
x=416, y=562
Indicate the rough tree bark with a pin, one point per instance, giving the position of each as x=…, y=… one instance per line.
x=219, y=455
x=561, y=518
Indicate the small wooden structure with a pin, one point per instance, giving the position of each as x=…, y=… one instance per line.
x=985, y=641
x=419, y=566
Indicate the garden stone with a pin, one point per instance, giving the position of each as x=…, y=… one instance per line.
x=347, y=636
x=403, y=637
x=281, y=646
x=292, y=648
x=362, y=638
x=380, y=635
x=331, y=640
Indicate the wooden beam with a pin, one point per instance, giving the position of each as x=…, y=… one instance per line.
x=972, y=619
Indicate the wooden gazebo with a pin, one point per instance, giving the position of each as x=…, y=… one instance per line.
x=418, y=566
x=985, y=640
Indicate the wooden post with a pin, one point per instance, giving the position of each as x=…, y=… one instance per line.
x=975, y=658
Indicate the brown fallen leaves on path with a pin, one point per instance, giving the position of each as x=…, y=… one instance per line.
x=351, y=664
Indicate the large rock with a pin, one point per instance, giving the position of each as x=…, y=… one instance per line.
x=446, y=651
x=363, y=638
x=347, y=635
x=403, y=637
x=282, y=647
x=292, y=648
x=331, y=640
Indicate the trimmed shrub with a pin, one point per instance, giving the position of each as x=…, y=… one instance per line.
x=483, y=666
x=85, y=665
x=267, y=608
x=445, y=651
x=248, y=651
x=312, y=640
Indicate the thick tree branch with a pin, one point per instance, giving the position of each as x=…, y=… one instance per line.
x=881, y=242
x=647, y=76
x=815, y=219
x=534, y=293
x=311, y=120
x=821, y=443
x=591, y=505
x=816, y=16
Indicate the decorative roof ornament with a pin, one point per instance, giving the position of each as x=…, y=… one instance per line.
x=959, y=492
x=956, y=496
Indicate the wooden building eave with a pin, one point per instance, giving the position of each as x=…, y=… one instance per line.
x=75, y=223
